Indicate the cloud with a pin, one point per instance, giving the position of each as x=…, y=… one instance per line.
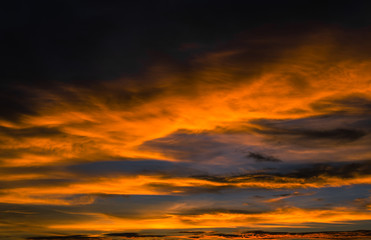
x=262, y=158
x=220, y=87
x=341, y=135
x=201, y=211
x=132, y=166
x=71, y=237
x=344, y=170
x=280, y=216
x=194, y=147
x=281, y=197
x=135, y=235
x=226, y=235
x=30, y=132
x=183, y=129
x=116, y=182
x=285, y=217
x=354, y=103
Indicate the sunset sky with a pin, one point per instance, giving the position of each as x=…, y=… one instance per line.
x=184, y=119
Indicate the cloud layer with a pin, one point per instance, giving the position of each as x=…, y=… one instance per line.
x=263, y=130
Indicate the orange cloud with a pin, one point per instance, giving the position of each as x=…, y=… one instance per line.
x=114, y=118
x=224, y=92
x=280, y=218
x=159, y=185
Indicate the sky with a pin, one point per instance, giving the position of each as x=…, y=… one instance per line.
x=185, y=119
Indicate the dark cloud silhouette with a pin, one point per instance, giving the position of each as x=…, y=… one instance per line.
x=135, y=235
x=319, y=131
x=226, y=235
x=336, y=135
x=258, y=157
x=342, y=170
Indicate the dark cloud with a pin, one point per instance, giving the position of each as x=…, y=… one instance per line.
x=344, y=121
x=354, y=104
x=294, y=194
x=306, y=172
x=314, y=131
x=226, y=235
x=131, y=166
x=283, y=235
x=135, y=235
x=336, y=135
x=342, y=170
x=324, y=234
x=258, y=157
x=30, y=132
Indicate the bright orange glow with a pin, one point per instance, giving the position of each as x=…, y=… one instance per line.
x=293, y=217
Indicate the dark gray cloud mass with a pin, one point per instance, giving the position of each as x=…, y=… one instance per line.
x=262, y=158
